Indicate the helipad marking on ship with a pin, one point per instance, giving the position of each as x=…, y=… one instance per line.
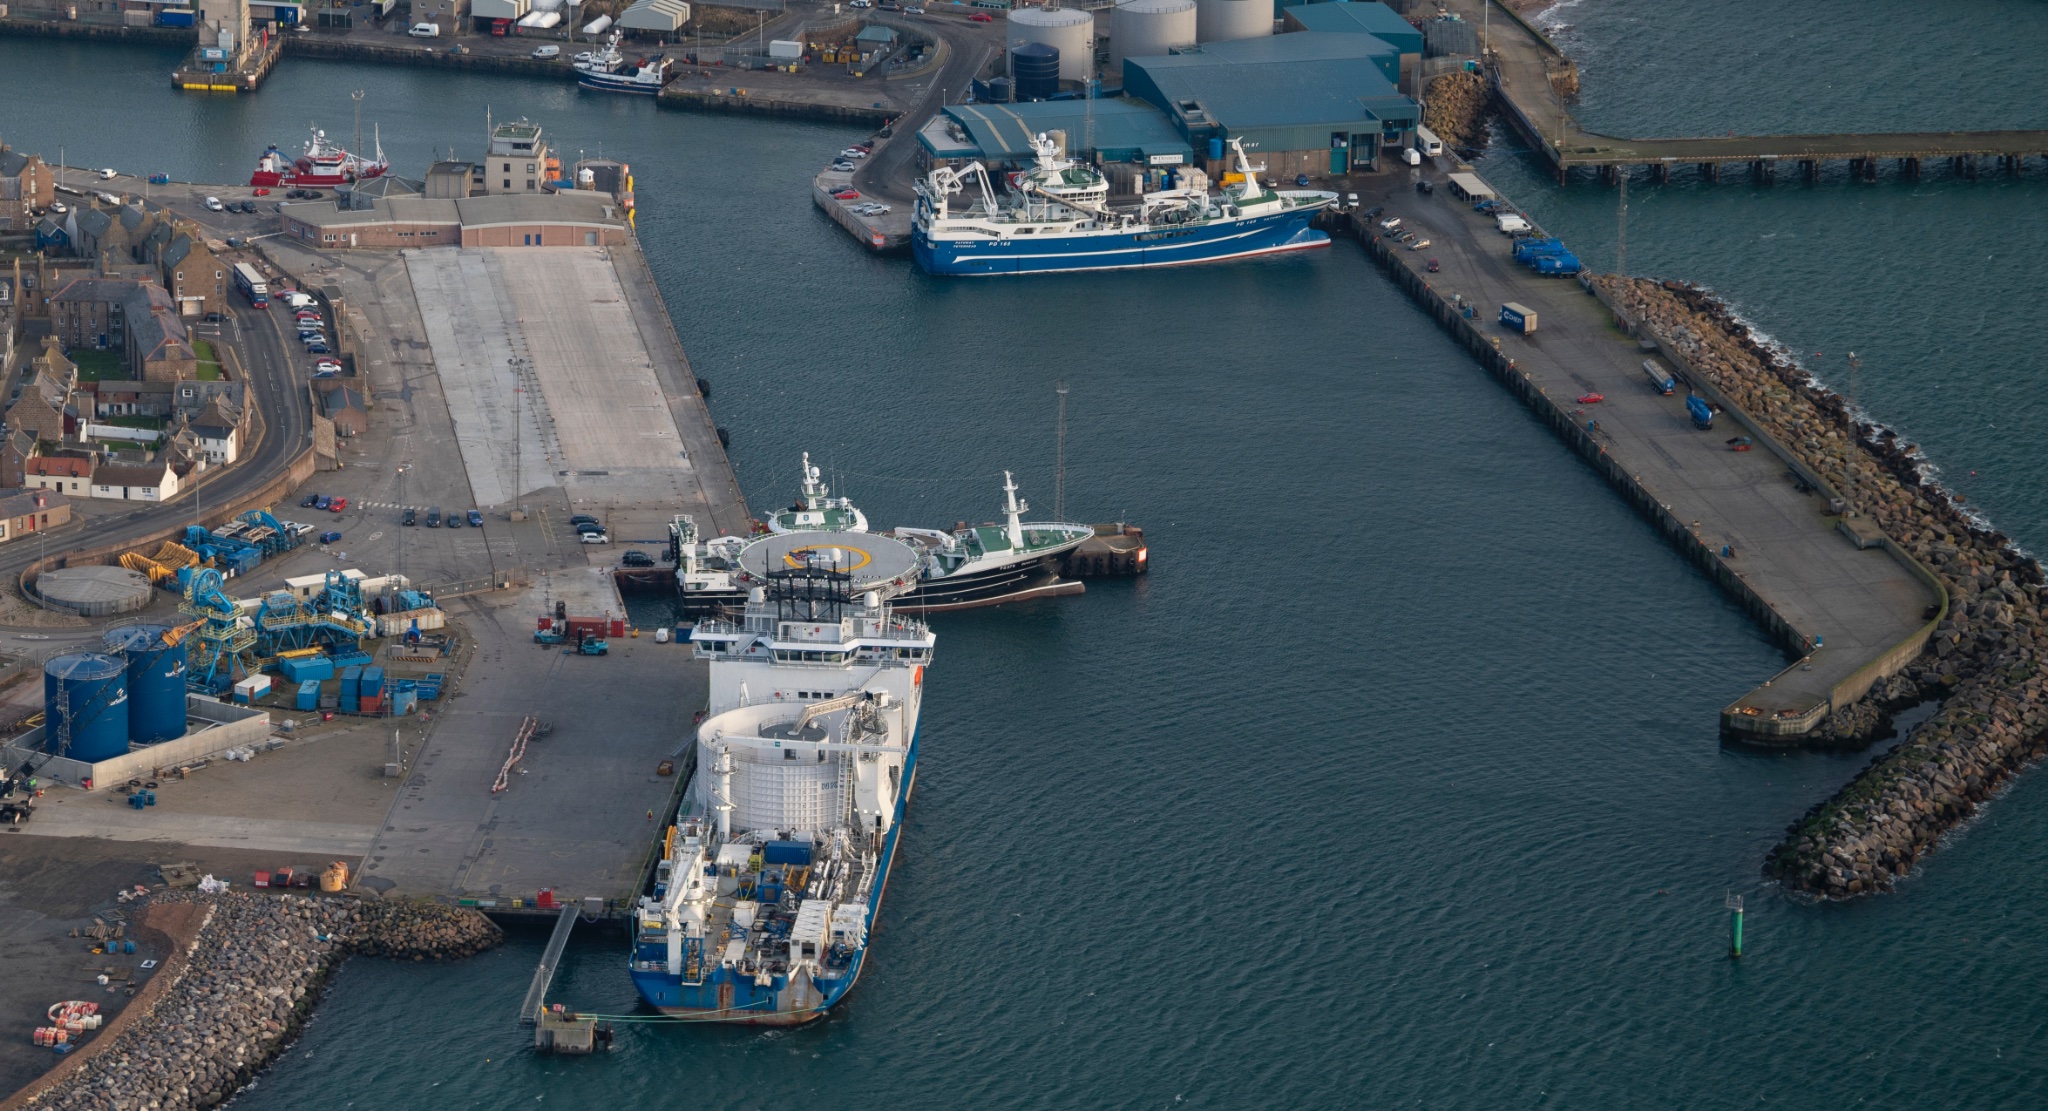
x=830, y=553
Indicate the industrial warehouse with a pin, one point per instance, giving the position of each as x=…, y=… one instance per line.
x=1324, y=96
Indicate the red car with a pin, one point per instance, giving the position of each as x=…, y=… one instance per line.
x=262, y=192
x=981, y=17
x=846, y=195
x=339, y=505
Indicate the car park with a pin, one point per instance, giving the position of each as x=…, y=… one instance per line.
x=434, y=517
x=596, y=538
x=476, y=519
x=636, y=558
x=412, y=516
x=329, y=537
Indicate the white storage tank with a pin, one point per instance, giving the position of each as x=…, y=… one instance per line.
x=1225, y=20
x=1149, y=28
x=1070, y=32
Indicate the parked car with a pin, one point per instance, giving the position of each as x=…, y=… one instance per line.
x=327, y=366
x=853, y=152
x=108, y=175
x=262, y=190
x=846, y=195
x=213, y=204
x=582, y=519
x=318, y=348
x=329, y=537
x=545, y=52
x=425, y=31
x=1425, y=187
x=981, y=17
x=412, y=516
x=1418, y=244
x=913, y=9
x=596, y=538
x=323, y=502
x=434, y=517
x=339, y=505
x=58, y=208
x=476, y=519
x=236, y=242
x=310, y=501
x=636, y=558
x=843, y=167
x=454, y=520
x=586, y=56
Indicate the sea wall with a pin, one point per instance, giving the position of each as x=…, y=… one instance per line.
x=244, y=972
x=1983, y=662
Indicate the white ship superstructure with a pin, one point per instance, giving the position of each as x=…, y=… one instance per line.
x=779, y=858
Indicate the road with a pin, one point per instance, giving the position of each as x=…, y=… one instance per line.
x=888, y=171
x=257, y=336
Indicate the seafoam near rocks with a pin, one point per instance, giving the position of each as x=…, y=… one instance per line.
x=1983, y=664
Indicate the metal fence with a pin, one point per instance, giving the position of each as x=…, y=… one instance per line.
x=1441, y=37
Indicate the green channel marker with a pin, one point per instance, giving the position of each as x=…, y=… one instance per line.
x=1735, y=925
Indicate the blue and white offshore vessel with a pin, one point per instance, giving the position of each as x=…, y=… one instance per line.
x=1057, y=217
x=774, y=870
x=608, y=71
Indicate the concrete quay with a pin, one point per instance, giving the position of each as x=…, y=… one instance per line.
x=1848, y=605
x=1532, y=80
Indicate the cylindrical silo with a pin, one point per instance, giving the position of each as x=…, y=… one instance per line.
x=91, y=690
x=1225, y=20
x=1070, y=32
x=156, y=681
x=1149, y=28
x=1035, y=67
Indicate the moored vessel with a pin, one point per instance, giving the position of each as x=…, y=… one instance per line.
x=607, y=70
x=774, y=870
x=320, y=164
x=966, y=566
x=1056, y=217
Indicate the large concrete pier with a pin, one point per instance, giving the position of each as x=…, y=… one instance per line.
x=1849, y=606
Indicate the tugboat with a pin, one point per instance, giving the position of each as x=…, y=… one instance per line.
x=763, y=909
x=1056, y=217
x=965, y=567
x=322, y=165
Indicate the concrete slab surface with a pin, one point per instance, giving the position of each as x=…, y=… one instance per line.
x=1861, y=602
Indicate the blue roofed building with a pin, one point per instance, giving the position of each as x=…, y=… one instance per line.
x=1377, y=20
x=1108, y=131
x=1314, y=102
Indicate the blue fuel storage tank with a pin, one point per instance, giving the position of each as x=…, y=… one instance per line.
x=93, y=690
x=1035, y=70
x=156, y=681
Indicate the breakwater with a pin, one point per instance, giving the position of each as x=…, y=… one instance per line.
x=1457, y=107
x=1984, y=664
x=241, y=978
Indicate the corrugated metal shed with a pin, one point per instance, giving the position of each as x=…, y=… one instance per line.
x=1285, y=93
x=1376, y=20
x=655, y=15
x=1119, y=130
x=498, y=9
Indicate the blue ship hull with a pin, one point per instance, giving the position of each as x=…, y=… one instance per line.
x=1214, y=241
x=724, y=996
x=609, y=83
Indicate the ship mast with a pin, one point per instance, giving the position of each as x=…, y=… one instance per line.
x=1013, y=507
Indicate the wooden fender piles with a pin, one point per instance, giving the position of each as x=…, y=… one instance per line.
x=1984, y=662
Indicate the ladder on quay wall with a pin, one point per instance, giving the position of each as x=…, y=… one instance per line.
x=550, y=960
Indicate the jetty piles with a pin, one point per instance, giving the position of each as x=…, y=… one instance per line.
x=242, y=975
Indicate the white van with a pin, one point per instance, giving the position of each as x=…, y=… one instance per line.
x=1510, y=224
x=545, y=52
x=213, y=204
x=425, y=31
x=1427, y=142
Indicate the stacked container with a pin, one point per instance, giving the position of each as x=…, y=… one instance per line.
x=351, y=690
x=308, y=667
x=371, y=694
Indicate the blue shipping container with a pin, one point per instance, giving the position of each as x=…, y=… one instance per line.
x=310, y=667
x=351, y=680
x=309, y=695
x=373, y=681
x=176, y=17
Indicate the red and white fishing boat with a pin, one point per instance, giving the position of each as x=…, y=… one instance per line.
x=322, y=164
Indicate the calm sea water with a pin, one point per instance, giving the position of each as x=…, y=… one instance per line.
x=1396, y=783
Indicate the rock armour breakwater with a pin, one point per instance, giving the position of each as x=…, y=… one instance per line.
x=244, y=981
x=1983, y=664
x=1457, y=109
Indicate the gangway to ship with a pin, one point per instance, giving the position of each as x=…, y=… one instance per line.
x=550, y=960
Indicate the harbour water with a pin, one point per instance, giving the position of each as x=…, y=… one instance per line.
x=1396, y=783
